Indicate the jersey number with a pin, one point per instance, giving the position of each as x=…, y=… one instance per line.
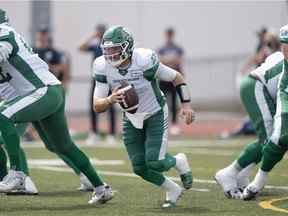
x=4, y=77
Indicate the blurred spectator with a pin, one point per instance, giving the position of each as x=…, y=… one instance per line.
x=171, y=55
x=261, y=52
x=268, y=44
x=92, y=45
x=57, y=60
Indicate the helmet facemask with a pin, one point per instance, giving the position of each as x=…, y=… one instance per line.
x=115, y=54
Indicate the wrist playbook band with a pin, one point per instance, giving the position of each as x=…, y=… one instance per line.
x=183, y=92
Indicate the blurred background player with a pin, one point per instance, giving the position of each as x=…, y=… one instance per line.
x=92, y=45
x=57, y=60
x=171, y=54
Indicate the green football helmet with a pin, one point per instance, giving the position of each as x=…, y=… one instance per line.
x=283, y=36
x=117, y=45
x=3, y=17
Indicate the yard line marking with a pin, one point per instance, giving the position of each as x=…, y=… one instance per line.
x=57, y=162
x=269, y=205
x=108, y=173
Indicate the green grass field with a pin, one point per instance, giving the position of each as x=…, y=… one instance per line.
x=58, y=194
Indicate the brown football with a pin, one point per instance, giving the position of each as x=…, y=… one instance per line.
x=131, y=100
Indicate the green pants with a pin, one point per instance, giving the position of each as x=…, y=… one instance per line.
x=147, y=147
x=277, y=145
x=45, y=108
x=261, y=109
x=21, y=128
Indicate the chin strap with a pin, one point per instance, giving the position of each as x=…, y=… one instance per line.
x=183, y=92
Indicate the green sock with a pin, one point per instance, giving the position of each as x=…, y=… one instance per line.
x=272, y=154
x=251, y=154
x=3, y=163
x=12, y=142
x=24, y=166
x=69, y=163
x=81, y=161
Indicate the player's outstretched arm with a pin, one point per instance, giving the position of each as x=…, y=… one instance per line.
x=168, y=74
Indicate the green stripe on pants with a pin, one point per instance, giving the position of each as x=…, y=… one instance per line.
x=260, y=107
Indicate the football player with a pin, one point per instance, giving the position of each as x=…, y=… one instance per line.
x=7, y=93
x=277, y=144
x=145, y=133
x=259, y=96
x=41, y=100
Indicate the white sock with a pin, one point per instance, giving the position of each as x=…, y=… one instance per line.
x=100, y=188
x=233, y=168
x=247, y=170
x=260, y=179
x=169, y=185
x=172, y=189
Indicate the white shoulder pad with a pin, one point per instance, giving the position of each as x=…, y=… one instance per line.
x=99, y=65
x=145, y=58
x=275, y=57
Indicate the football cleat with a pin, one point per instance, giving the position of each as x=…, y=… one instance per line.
x=29, y=188
x=183, y=168
x=168, y=204
x=250, y=193
x=228, y=183
x=85, y=184
x=103, y=196
x=14, y=180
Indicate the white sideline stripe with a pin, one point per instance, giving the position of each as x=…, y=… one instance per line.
x=108, y=173
x=123, y=174
x=58, y=162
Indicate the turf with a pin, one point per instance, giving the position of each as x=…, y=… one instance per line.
x=133, y=196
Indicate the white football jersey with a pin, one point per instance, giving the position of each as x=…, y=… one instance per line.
x=24, y=70
x=141, y=74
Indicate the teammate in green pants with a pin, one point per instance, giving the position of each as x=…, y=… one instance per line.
x=7, y=93
x=145, y=133
x=29, y=187
x=277, y=144
x=41, y=100
x=259, y=95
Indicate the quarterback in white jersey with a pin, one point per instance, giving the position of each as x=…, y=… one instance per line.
x=145, y=132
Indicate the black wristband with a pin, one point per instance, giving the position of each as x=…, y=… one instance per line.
x=183, y=92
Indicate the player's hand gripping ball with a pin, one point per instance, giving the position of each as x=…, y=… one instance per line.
x=130, y=100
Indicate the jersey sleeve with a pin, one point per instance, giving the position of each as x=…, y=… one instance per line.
x=9, y=36
x=150, y=65
x=165, y=73
x=101, y=90
x=99, y=70
x=101, y=85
